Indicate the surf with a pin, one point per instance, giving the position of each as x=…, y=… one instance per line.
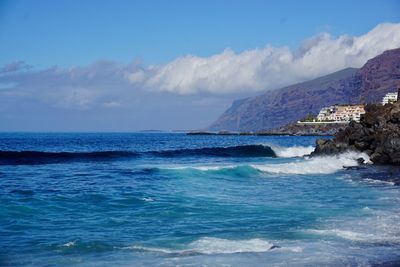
x=45, y=157
x=292, y=151
x=314, y=165
x=212, y=245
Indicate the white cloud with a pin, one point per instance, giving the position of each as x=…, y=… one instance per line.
x=227, y=75
x=268, y=67
x=75, y=88
x=75, y=98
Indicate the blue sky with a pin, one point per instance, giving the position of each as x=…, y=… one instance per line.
x=45, y=32
x=130, y=65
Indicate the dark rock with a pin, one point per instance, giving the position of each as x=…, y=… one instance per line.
x=306, y=129
x=353, y=167
x=329, y=147
x=377, y=134
x=360, y=161
x=201, y=133
x=274, y=247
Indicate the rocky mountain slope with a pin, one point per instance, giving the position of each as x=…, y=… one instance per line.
x=275, y=108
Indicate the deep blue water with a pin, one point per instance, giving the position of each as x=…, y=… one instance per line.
x=135, y=199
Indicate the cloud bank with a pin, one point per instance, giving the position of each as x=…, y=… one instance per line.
x=186, y=93
x=221, y=77
x=268, y=67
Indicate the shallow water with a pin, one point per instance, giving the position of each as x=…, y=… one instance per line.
x=170, y=199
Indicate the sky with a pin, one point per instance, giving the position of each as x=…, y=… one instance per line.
x=171, y=65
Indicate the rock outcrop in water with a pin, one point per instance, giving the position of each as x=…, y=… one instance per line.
x=306, y=129
x=377, y=134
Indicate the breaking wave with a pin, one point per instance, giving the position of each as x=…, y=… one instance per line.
x=239, y=151
x=42, y=157
x=211, y=245
x=233, y=151
x=321, y=164
x=293, y=151
x=382, y=237
x=315, y=165
x=346, y=234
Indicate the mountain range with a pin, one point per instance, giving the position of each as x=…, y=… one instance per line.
x=278, y=107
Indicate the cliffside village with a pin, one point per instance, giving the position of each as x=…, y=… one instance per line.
x=345, y=113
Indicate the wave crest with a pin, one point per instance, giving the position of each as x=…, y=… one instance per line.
x=232, y=151
x=42, y=157
x=345, y=234
x=211, y=245
x=293, y=151
x=316, y=165
x=387, y=236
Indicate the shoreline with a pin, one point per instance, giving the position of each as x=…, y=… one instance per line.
x=259, y=134
x=292, y=129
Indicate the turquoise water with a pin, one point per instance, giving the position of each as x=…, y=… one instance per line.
x=175, y=200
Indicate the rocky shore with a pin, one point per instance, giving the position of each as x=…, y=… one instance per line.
x=293, y=129
x=319, y=129
x=377, y=134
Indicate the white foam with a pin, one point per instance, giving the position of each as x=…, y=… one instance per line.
x=380, y=227
x=69, y=244
x=211, y=245
x=202, y=168
x=350, y=235
x=154, y=249
x=295, y=249
x=373, y=181
x=211, y=168
x=315, y=165
x=293, y=151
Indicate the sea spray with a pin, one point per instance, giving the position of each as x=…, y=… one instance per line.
x=212, y=245
x=292, y=151
x=315, y=165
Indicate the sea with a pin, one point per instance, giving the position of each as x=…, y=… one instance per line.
x=171, y=199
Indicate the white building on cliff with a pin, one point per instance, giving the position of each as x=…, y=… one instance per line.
x=389, y=98
x=341, y=113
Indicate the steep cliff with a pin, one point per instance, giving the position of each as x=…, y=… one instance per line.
x=276, y=108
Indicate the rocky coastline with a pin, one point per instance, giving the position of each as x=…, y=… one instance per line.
x=377, y=134
x=292, y=129
x=318, y=129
